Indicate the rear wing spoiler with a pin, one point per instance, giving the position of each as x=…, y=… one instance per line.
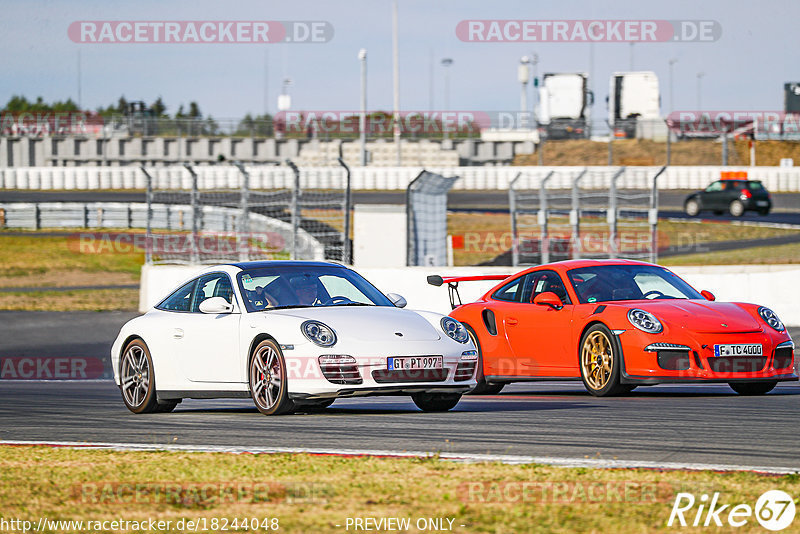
x=452, y=284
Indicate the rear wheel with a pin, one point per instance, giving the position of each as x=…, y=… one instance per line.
x=736, y=208
x=483, y=388
x=600, y=363
x=752, y=388
x=692, y=208
x=268, y=385
x=436, y=402
x=763, y=212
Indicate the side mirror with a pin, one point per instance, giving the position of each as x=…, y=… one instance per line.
x=548, y=298
x=216, y=305
x=397, y=300
x=708, y=295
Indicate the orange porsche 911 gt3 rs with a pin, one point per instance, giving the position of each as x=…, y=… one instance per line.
x=618, y=324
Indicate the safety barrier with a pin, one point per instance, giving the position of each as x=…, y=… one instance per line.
x=775, y=179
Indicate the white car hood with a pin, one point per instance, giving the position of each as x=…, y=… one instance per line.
x=367, y=323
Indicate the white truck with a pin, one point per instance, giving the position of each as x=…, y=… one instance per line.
x=633, y=97
x=564, y=106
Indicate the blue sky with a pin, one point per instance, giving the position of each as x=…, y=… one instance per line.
x=744, y=70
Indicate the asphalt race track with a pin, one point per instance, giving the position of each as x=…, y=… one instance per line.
x=663, y=424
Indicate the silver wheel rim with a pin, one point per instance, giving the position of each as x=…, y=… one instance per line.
x=135, y=374
x=737, y=209
x=265, y=377
x=692, y=208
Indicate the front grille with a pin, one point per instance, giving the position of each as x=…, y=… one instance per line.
x=384, y=376
x=464, y=371
x=341, y=373
x=737, y=364
x=783, y=358
x=673, y=360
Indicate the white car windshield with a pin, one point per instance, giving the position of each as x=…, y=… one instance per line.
x=300, y=286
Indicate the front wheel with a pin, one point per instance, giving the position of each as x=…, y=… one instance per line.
x=268, y=386
x=752, y=388
x=600, y=363
x=436, y=402
x=138, y=381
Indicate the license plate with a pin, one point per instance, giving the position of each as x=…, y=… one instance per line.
x=762, y=203
x=740, y=349
x=415, y=362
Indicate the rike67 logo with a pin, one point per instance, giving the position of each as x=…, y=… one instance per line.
x=774, y=510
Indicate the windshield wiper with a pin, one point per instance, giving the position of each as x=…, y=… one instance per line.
x=350, y=304
x=290, y=306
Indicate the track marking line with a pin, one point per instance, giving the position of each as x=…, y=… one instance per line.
x=595, y=463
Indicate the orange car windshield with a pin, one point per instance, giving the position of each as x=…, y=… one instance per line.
x=605, y=283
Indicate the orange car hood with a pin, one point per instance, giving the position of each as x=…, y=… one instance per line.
x=701, y=316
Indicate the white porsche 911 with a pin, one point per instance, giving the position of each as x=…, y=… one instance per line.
x=291, y=335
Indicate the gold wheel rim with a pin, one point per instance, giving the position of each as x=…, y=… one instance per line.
x=597, y=360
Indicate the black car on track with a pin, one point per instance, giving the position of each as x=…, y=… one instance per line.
x=736, y=196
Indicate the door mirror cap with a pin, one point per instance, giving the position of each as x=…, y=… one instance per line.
x=216, y=305
x=397, y=300
x=708, y=295
x=548, y=298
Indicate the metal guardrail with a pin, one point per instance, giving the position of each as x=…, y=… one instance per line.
x=612, y=199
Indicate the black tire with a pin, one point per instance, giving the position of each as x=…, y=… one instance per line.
x=137, y=378
x=692, y=207
x=270, y=396
x=750, y=389
x=436, y=402
x=736, y=208
x=599, y=360
x=483, y=388
x=166, y=406
x=763, y=212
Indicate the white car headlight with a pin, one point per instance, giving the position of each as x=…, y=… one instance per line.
x=645, y=321
x=454, y=330
x=319, y=333
x=771, y=318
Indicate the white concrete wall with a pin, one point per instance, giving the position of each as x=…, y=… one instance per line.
x=379, y=235
x=775, y=286
x=776, y=179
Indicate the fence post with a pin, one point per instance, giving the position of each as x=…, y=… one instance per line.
x=512, y=207
x=195, y=258
x=653, y=216
x=295, y=206
x=37, y=217
x=347, y=251
x=544, y=239
x=611, y=215
x=244, y=206
x=148, y=235
x=575, y=216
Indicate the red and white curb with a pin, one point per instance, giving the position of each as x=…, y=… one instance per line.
x=594, y=463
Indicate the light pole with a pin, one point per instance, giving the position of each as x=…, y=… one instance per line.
x=396, y=84
x=700, y=90
x=631, y=59
x=535, y=87
x=446, y=62
x=523, y=76
x=671, y=91
x=362, y=120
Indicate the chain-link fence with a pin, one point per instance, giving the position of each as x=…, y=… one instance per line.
x=426, y=207
x=584, y=213
x=188, y=223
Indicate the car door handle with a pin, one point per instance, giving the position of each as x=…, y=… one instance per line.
x=177, y=333
x=512, y=321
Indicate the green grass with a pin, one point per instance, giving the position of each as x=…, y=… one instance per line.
x=316, y=493
x=779, y=254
